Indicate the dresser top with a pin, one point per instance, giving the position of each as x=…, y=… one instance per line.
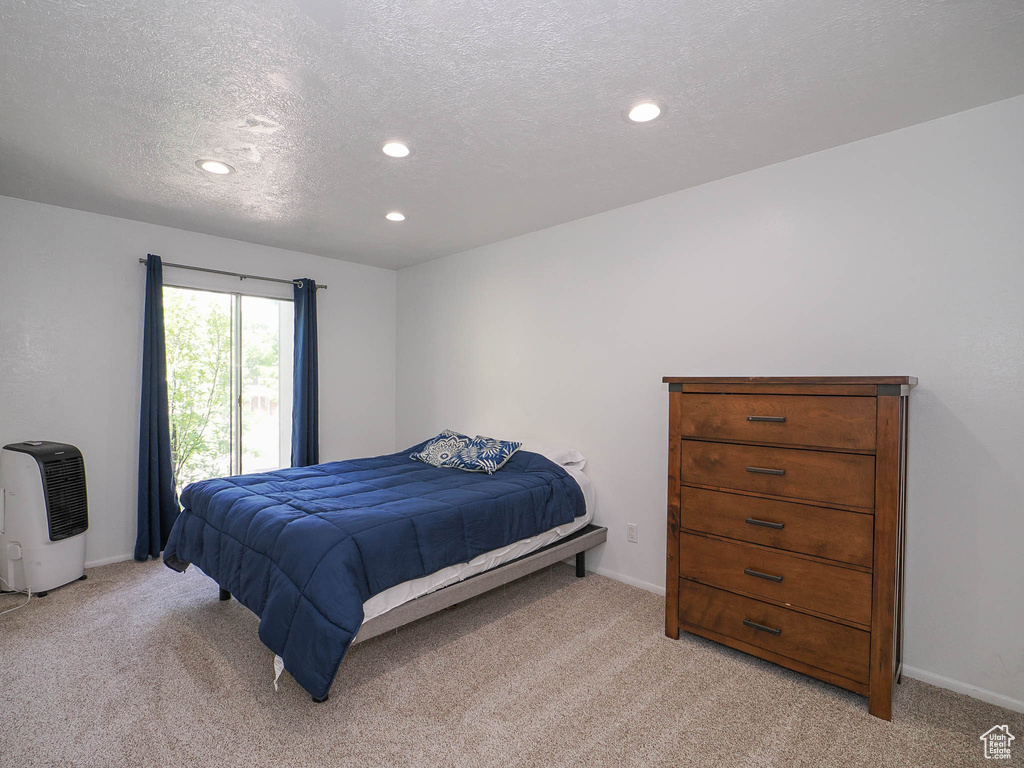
x=908, y=381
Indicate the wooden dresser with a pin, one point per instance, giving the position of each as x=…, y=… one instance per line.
x=786, y=509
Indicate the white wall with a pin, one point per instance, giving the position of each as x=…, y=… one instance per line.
x=900, y=254
x=71, y=297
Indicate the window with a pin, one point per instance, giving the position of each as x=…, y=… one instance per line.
x=229, y=382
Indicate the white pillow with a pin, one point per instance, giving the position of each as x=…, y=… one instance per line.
x=562, y=455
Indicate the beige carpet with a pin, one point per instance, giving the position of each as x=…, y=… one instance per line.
x=141, y=666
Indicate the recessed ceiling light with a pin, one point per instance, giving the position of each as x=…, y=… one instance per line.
x=214, y=166
x=644, y=112
x=394, y=216
x=395, y=149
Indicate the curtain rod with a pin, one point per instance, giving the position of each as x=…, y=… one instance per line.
x=239, y=275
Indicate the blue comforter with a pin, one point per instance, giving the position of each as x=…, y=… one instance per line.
x=304, y=548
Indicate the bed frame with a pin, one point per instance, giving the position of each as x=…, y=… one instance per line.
x=576, y=543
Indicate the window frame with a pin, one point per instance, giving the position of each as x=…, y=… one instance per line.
x=236, y=467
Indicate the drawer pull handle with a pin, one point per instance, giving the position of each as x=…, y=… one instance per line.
x=773, y=419
x=766, y=471
x=765, y=576
x=762, y=627
x=765, y=523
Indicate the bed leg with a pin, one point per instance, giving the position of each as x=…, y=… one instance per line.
x=581, y=565
x=320, y=701
x=224, y=594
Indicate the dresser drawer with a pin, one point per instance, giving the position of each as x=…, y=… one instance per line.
x=827, y=422
x=837, y=478
x=823, y=644
x=830, y=533
x=828, y=589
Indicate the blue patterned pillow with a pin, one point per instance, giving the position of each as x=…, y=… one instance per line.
x=479, y=454
x=448, y=449
x=492, y=454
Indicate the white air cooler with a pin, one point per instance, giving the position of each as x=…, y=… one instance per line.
x=44, y=515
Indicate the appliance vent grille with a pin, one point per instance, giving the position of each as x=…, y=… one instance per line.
x=67, y=508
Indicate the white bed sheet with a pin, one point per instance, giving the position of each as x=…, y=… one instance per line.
x=409, y=590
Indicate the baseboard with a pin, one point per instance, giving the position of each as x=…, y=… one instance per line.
x=941, y=681
x=107, y=560
x=631, y=581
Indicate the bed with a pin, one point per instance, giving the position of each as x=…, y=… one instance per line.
x=339, y=552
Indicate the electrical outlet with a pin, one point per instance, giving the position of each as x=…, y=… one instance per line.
x=632, y=533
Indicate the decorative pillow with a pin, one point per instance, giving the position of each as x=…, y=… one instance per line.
x=449, y=449
x=492, y=454
x=479, y=454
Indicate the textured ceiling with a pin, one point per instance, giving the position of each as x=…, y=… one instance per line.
x=513, y=110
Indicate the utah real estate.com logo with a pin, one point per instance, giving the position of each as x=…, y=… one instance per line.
x=997, y=742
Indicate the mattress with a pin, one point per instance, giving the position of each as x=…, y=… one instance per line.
x=402, y=593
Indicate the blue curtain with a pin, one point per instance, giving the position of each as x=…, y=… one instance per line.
x=158, y=499
x=305, y=379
